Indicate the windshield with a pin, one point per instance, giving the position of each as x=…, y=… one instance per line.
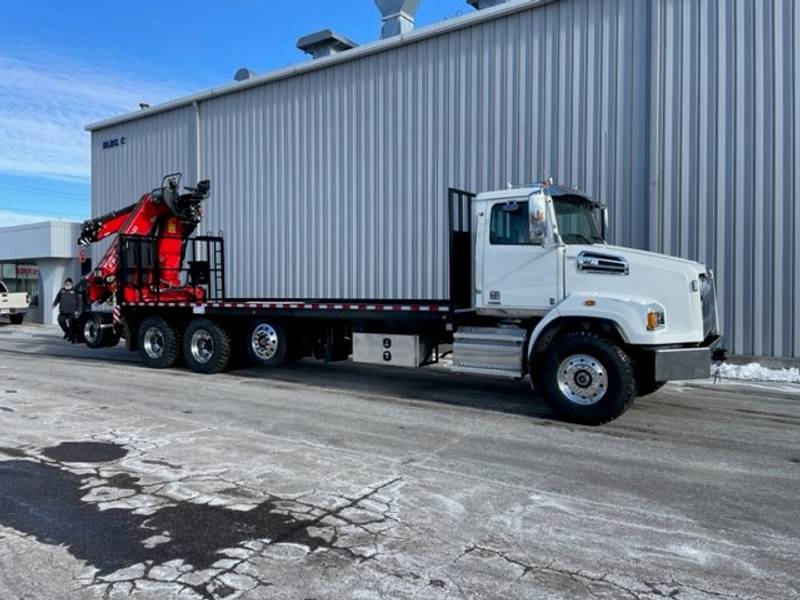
x=576, y=220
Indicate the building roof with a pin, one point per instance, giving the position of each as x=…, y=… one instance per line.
x=417, y=35
x=46, y=239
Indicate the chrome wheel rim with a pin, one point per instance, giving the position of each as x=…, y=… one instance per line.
x=264, y=341
x=91, y=331
x=582, y=379
x=154, y=342
x=202, y=346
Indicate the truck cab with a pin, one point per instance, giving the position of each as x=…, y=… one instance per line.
x=595, y=324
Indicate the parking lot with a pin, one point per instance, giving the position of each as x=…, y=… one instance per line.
x=342, y=481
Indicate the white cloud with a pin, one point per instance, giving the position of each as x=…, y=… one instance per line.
x=10, y=218
x=45, y=101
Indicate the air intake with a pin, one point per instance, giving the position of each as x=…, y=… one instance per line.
x=595, y=262
x=324, y=43
x=398, y=16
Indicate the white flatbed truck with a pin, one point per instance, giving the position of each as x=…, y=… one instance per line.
x=534, y=291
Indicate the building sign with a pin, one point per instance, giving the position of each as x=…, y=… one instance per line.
x=27, y=272
x=120, y=141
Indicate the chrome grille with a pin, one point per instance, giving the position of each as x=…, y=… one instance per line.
x=595, y=262
x=708, y=298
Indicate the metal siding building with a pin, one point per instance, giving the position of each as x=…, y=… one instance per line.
x=682, y=115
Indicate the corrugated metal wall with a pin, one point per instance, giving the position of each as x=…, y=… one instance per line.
x=725, y=186
x=680, y=114
x=161, y=144
x=333, y=183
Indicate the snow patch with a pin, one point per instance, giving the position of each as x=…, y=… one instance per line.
x=755, y=372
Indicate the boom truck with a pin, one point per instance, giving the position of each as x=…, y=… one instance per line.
x=534, y=290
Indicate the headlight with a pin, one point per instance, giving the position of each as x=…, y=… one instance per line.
x=656, y=318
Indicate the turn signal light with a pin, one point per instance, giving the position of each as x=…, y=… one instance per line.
x=652, y=321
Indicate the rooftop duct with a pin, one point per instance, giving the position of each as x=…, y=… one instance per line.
x=481, y=4
x=324, y=43
x=398, y=16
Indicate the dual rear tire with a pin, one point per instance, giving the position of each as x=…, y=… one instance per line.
x=95, y=335
x=206, y=346
x=159, y=343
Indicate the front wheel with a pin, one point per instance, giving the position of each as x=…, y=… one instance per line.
x=585, y=378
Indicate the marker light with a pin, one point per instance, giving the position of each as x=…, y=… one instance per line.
x=655, y=317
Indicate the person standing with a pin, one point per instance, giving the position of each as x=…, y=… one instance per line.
x=70, y=306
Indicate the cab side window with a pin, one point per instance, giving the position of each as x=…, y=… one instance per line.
x=509, y=225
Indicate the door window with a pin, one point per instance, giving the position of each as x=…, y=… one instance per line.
x=509, y=224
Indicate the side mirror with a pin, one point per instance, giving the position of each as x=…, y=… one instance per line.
x=537, y=218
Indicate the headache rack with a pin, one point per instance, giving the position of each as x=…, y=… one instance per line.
x=460, y=223
x=202, y=266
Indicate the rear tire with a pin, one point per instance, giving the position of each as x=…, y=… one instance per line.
x=206, y=347
x=267, y=344
x=92, y=332
x=586, y=379
x=16, y=319
x=159, y=343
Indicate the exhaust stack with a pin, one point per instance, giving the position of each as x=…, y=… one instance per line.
x=398, y=16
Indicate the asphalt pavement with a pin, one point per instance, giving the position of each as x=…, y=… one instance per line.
x=346, y=481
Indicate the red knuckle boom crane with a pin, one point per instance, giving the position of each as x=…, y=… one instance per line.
x=164, y=217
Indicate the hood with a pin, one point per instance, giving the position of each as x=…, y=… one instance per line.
x=641, y=278
x=645, y=255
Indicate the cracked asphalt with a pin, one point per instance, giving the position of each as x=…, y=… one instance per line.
x=344, y=481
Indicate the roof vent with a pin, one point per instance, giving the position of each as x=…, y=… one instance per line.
x=324, y=43
x=398, y=16
x=243, y=74
x=481, y=4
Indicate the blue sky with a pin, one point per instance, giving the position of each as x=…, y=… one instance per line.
x=66, y=64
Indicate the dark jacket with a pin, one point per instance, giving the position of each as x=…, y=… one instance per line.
x=68, y=301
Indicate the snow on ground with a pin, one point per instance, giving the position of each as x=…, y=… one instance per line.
x=755, y=372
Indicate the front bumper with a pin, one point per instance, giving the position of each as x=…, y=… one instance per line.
x=670, y=364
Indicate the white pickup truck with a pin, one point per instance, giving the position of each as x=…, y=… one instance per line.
x=13, y=305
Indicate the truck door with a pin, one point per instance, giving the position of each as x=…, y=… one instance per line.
x=517, y=274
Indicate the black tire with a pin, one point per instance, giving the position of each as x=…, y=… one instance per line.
x=16, y=319
x=585, y=357
x=267, y=344
x=91, y=331
x=159, y=343
x=645, y=388
x=206, y=347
